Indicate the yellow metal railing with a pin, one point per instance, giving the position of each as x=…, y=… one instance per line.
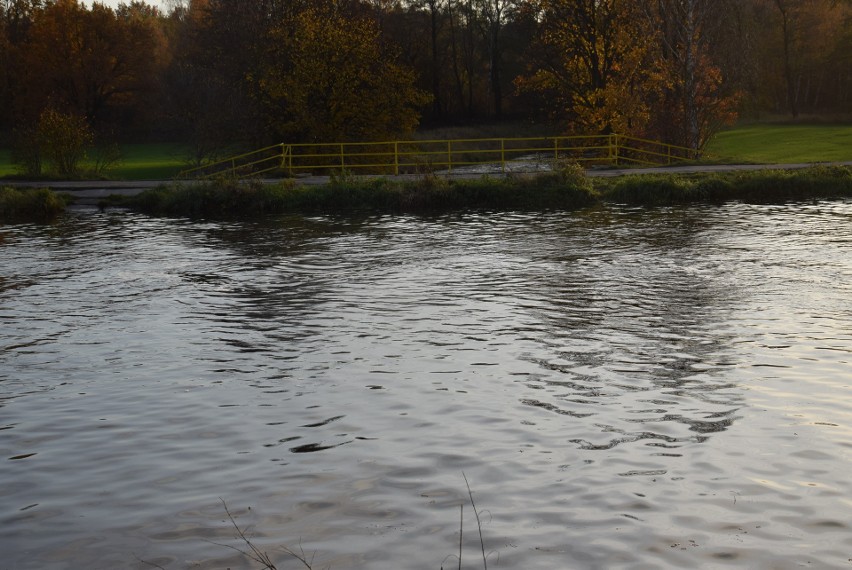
x=487, y=155
x=262, y=161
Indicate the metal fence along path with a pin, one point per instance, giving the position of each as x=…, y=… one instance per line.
x=485, y=156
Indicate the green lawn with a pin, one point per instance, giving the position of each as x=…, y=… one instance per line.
x=6, y=167
x=778, y=144
x=155, y=161
x=148, y=161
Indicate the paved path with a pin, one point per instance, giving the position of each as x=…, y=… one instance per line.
x=90, y=191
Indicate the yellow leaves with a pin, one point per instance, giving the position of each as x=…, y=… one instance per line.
x=335, y=81
x=599, y=66
x=611, y=67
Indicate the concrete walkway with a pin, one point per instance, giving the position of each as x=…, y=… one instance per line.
x=90, y=191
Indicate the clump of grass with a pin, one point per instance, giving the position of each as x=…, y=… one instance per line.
x=229, y=198
x=254, y=553
x=477, y=514
x=655, y=189
x=40, y=205
x=825, y=182
x=785, y=185
x=217, y=199
x=249, y=549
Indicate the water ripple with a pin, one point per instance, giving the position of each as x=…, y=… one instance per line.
x=622, y=387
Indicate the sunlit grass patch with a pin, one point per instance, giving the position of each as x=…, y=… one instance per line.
x=6, y=166
x=150, y=161
x=779, y=144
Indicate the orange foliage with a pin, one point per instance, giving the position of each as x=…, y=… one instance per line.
x=87, y=59
x=335, y=83
x=592, y=61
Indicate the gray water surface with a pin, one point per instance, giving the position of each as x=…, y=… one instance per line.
x=622, y=388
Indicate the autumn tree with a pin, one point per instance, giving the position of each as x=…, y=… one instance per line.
x=591, y=65
x=335, y=80
x=839, y=67
x=199, y=90
x=495, y=14
x=16, y=17
x=87, y=61
x=799, y=40
x=63, y=139
x=6, y=77
x=695, y=99
x=56, y=144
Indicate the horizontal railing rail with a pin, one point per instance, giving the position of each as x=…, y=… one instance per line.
x=444, y=156
x=253, y=163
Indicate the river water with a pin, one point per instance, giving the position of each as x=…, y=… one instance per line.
x=621, y=388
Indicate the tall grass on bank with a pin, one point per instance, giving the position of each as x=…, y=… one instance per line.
x=762, y=186
x=30, y=205
x=565, y=188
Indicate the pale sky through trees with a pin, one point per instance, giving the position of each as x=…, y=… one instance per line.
x=161, y=4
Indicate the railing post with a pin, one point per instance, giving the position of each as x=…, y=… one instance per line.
x=396, y=158
x=615, y=150
x=342, y=161
x=283, y=156
x=287, y=159
x=503, y=156
x=449, y=156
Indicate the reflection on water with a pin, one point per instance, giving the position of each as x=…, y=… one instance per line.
x=622, y=388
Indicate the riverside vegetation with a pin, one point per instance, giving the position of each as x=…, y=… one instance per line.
x=31, y=205
x=565, y=187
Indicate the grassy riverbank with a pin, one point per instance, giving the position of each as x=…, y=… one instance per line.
x=568, y=188
x=758, y=186
x=565, y=189
x=30, y=205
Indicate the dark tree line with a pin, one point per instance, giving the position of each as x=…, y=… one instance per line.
x=231, y=73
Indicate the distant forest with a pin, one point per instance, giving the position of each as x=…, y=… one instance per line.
x=217, y=73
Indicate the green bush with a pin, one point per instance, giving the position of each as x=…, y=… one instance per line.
x=59, y=146
x=63, y=139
